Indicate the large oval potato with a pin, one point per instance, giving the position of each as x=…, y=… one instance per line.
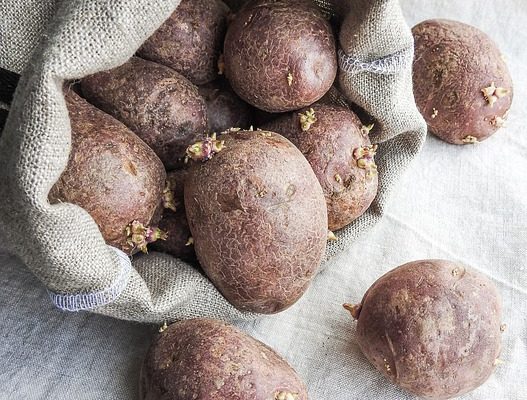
x=432, y=327
x=158, y=104
x=258, y=218
x=280, y=55
x=190, y=40
x=461, y=83
x=174, y=220
x=111, y=173
x=204, y=359
x=334, y=141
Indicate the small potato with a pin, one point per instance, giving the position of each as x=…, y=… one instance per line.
x=225, y=109
x=280, y=55
x=258, y=218
x=112, y=174
x=191, y=40
x=335, y=143
x=204, y=359
x=158, y=104
x=461, y=83
x=433, y=327
x=174, y=221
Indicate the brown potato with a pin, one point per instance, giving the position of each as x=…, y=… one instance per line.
x=204, y=359
x=191, y=40
x=111, y=173
x=461, y=83
x=225, y=109
x=158, y=104
x=433, y=327
x=333, y=140
x=174, y=221
x=280, y=56
x=259, y=221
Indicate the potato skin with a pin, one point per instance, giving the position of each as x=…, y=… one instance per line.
x=204, y=359
x=225, y=109
x=328, y=146
x=259, y=221
x=158, y=104
x=175, y=223
x=111, y=173
x=267, y=41
x=453, y=63
x=432, y=327
x=190, y=40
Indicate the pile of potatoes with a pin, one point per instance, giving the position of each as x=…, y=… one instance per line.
x=215, y=143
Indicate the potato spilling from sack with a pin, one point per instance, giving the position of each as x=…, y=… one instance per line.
x=462, y=85
x=203, y=359
x=258, y=219
x=432, y=327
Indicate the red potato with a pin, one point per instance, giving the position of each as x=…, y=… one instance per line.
x=190, y=40
x=203, y=359
x=432, y=327
x=158, y=104
x=113, y=175
x=280, y=56
x=461, y=83
x=336, y=145
x=258, y=218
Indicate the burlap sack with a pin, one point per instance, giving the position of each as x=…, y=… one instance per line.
x=52, y=41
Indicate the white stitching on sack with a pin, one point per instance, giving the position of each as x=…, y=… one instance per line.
x=88, y=301
x=388, y=65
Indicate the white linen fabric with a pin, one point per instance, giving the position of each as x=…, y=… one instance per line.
x=461, y=203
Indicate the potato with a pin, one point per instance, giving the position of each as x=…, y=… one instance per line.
x=174, y=221
x=433, y=327
x=461, y=83
x=259, y=221
x=113, y=175
x=191, y=39
x=204, y=359
x=337, y=146
x=158, y=104
x=225, y=109
x=280, y=56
